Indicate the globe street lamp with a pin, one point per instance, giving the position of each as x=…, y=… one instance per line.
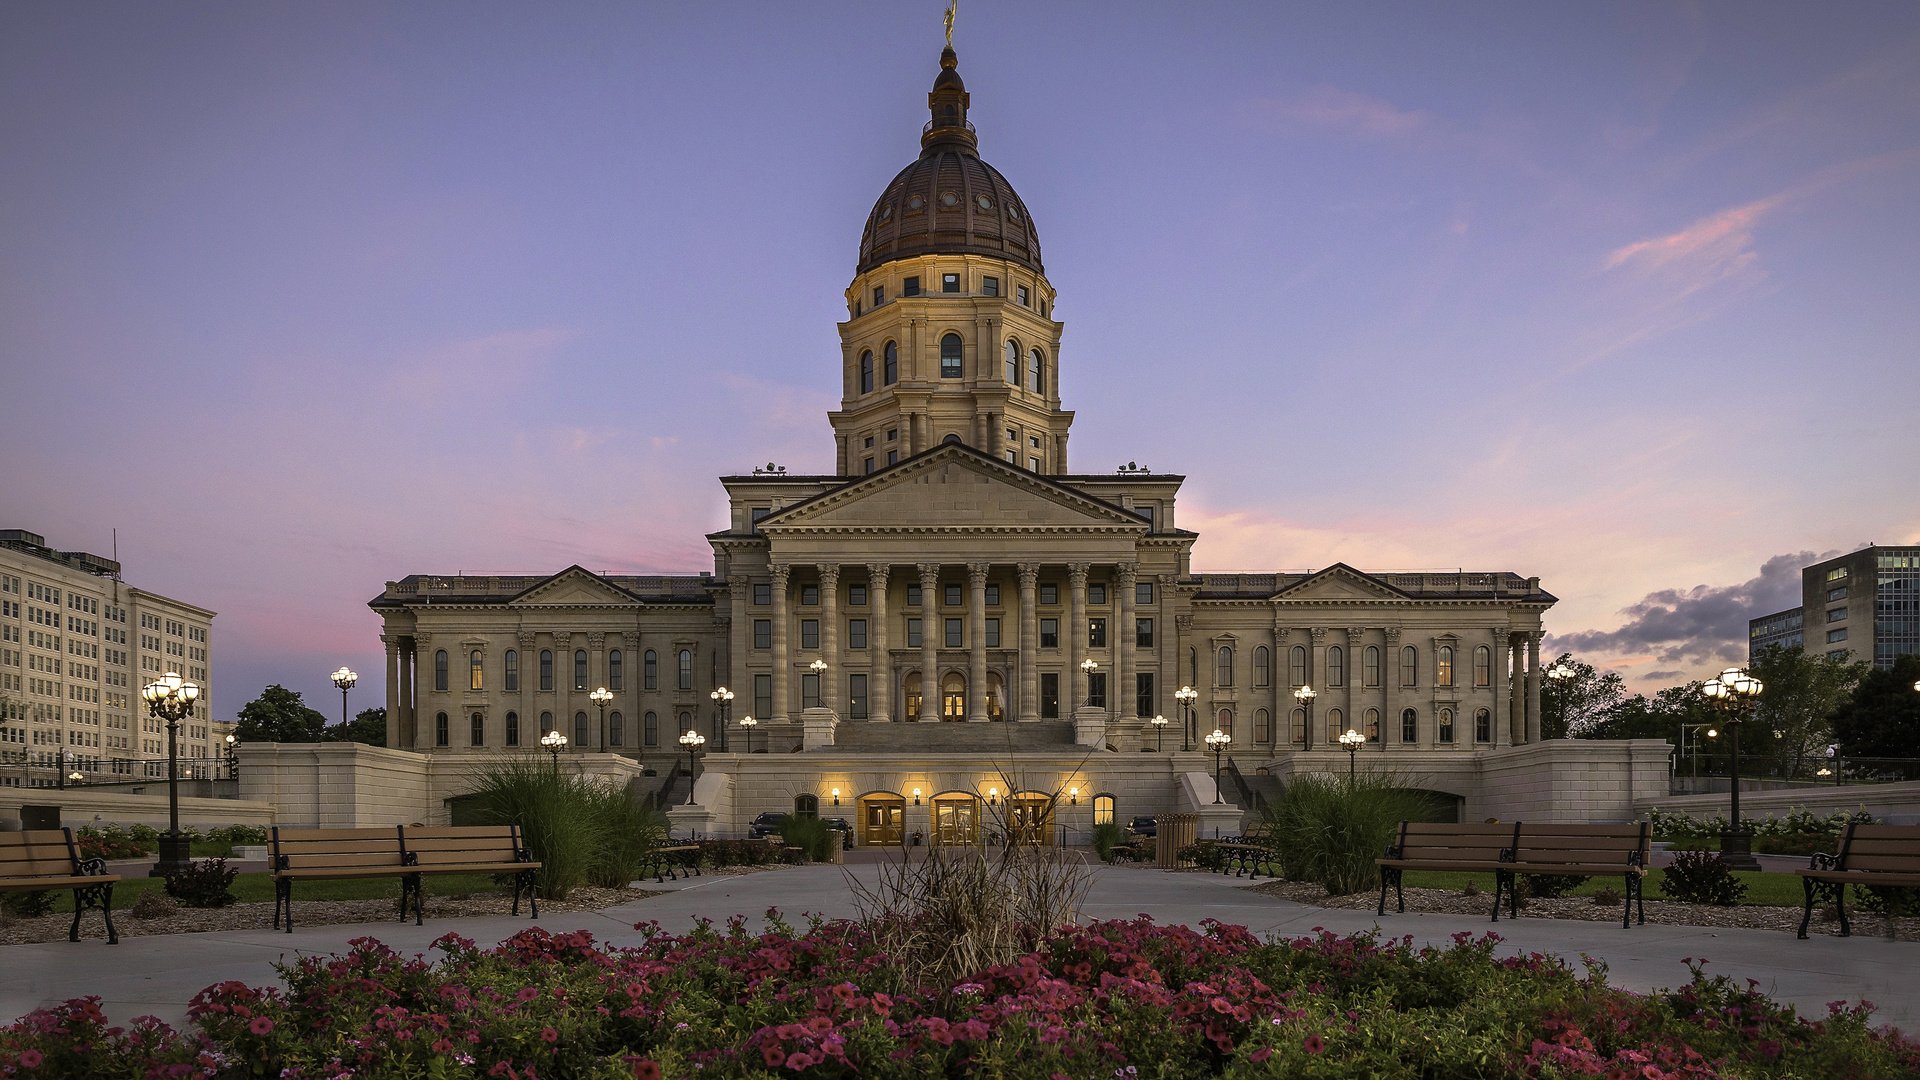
x=1735, y=691
x=1159, y=731
x=1217, y=742
x=1351, y=741
x=1560, y=673
x=344, y=679
x=1186, y=696
x=233, y=756
x=749, y=723
x=170, y=698
x=1833, y=763
x=1305, y=696
x=723, y=697
x=693, y=741
x=554, y=742
x=600, y=696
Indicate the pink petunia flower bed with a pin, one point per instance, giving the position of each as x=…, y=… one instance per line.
x=1120, y=1000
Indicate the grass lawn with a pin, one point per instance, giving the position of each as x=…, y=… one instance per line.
x=259, y=887
x=1763, y=889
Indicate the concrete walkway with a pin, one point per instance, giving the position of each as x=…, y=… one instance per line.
x=158, y=975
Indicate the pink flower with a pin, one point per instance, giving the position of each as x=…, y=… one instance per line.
x=31, y=1059
x=1315, y=1044
x=260, y=1026
x=549, y=1035
x=773, y=1056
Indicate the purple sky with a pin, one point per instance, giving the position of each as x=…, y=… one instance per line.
x=305, y=297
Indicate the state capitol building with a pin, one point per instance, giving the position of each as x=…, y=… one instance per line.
x=956, y=616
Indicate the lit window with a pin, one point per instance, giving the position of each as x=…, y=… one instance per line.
x=1482, y=666
x=1443, y=666
x=1096, y=633
x=476, y=671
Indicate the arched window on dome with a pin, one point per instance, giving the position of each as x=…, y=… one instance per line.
x=866, y=372
x=890, y=366
x=950, y=357
x=1036, y=372
x=1013, y=362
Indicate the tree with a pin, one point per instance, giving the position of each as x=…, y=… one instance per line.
x=369, y=727
x=1572, y=704
x=1883, y=719
x=278, y=715
x=1658, y=717
x=1793, y=720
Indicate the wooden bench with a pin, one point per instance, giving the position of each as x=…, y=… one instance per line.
x=405, y=852
x=1247, y=853
x=1870, y=855
x=663, y=861
x=1581, y=851
x=1424, y=845
x=40, y=859
x=466, y=849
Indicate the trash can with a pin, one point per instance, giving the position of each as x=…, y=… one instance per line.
x=39, y=816
x=1173, y=832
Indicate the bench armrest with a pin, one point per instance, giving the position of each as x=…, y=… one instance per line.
x=1823, y=861
x=95, y=867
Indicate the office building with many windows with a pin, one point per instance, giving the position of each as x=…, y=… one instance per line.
x=1864, y=605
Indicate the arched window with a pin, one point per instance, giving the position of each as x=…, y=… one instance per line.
x=1446, y=725
x=1482, y=666
x=685, y=681
x=580, y=729
x=1013, y=362
x=866, y=372
x=616, y=729
x=950, y=356
x=546, y=669
x=1409, y=666
x=1336, y=726
x=1223, y=669
x=513, y=729
x=807, y=805
x=1297, y=666
x=1297, y=726
x=1224, y=721
x=650, y=729
x=1373, y=725
x=1409, y=726
x=1482, y=726
x=1443, y=666
x=1262, y=726
x=476, y=674
x=890, y=365
x=1336, y=666
x=1371, y=662
x=440, y=735
x=579, y=669
x=513, y=669
x=477, y=730
x=616, y=670
x=649, y=670
x=1036, y=372
x=546, y=722
x=1262, y=666
x=440, y=669
x=1103, y=809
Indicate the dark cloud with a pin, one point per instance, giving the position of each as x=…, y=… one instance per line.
x=1675, y=674
x=1704, y=625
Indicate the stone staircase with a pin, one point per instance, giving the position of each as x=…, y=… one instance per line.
x=862, y=737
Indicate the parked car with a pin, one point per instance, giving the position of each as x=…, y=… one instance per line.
x=846, y=831
x=1144, y=826
x=767, y=824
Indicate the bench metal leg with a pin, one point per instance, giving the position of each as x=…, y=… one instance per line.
x=1840, y=901
x=89, y=896
x=1626, y=903
x=283, y=901
x=1806, y=913
x=524, y=881
x=411, y=891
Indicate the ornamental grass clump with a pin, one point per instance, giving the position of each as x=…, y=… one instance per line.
x=581, y=831
x=1330, y=829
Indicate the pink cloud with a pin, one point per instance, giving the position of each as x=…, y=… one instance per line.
x=1713, y=248
x=1346, y=110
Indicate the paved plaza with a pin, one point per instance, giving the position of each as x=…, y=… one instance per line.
x=158, y=975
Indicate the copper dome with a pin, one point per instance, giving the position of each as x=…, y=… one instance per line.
x=949, y=202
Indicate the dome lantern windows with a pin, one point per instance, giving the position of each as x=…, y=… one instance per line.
x=950, y=349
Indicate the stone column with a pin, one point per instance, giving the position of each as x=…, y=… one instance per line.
x=782, y=671
x=1533, y=685
x=1317, y=673
x=563, y=686
x=1516, y=688
x=1189, y=718
x=1356, y=683
x=1390, y=685
x=1029, y=706
x=1076, y=632
x=1278, y=680
x=597, y=657
x=739, y=643
x=1166, y=630
x=1497, y=640
x=880, y=674
x=930, y=631
x=830, y=632
x=1123, y=705
x=396, y=719
x=977, y=642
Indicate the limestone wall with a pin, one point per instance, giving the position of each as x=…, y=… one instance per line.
x=1899, y=803
x=1569, y=780
x=84, y=806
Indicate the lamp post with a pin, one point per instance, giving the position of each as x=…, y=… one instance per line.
x=1351, y=741
x=1217, y=742
x=1185, y=696
x=1305, y=696
x=344, y=678
x=1560, y=673
x=170, y=698
x=749, y=723
x=554, y=742
x=819, y=669
x=1693, y=750
x=1734, y=691
x=1159, y=731
x=233, y=756
x=60, y=768
x=693, y=741
x=723, y=697
x=1833, y=763
x=600, y=697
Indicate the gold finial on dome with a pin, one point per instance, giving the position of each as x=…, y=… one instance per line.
x=951, y=5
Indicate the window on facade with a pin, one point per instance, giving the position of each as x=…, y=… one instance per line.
x=1297, y=726
x=513, y=669
x=950, y=356
x=1837, y=594
x=1143, y=702
x=1836, y=635
x=1409, y=666
x=546, y=723
x=1049, y=592
x=1446, y=725
x=546, y=669
x=1262, y=666
x=579, y=669
x=616, y=670
x=1336, y=726
x=477, y=730
x=1836, y=614
x=1143, y=593
x=440, y=733
x=856, y=596
x=1096, y=593
x=809, y=691
x=1143, y=633
x=685, y=681
x=616, y=729
x=993, y=594
x=1482, y=726
x=1262, y=726
x=581, y=732
x=1336, y=666
x=857, y=697
x=949, y=283
x=910, y=287
x=1049, y=633
x=993, y=633
x=809, y=595
x=1097, y=689
x=856, y=633
x=650, y=729
x=1482, y=666
x=1223, y=666
x=890, y=364
x=649, y=670
x=1409, y=726
x=1050, y=695
x=809, y=633
x=952, y=596
x=913, y=595
x=866, y=372
x=952, y=635
x=440, y=669
x=476, y=670
x=1297, y=666
x=1013, y=362
x=914, y=639
x=513, y=729
x=879, y=295
x=762, y=594
x=1096, y=633
x=1370, y=665
x=1021, y=295
x=763, y=695
x=990, y=286
x=1443, y=666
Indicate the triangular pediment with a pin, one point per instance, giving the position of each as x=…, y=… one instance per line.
x=573, y=587
x=1340, y=582
x=953, y=487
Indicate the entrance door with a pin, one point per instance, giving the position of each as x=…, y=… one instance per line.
x=953, y=697
x=956, y=820
x=1030, y=819
x=881, y=819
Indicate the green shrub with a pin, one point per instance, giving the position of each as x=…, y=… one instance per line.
x=27, y=905
x=811, y=836
x=581, y=831
x=1550, y=886
x=1206, y=856
x=232, y=835
x=1107, y=837
x=108, y=842
x=1701, y=877
x=204, y=884
x=1606, y=896
x=718, y=853
x=1330, y=829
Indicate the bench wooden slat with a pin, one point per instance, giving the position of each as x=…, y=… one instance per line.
x=1884, y=863
x=36, y=860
